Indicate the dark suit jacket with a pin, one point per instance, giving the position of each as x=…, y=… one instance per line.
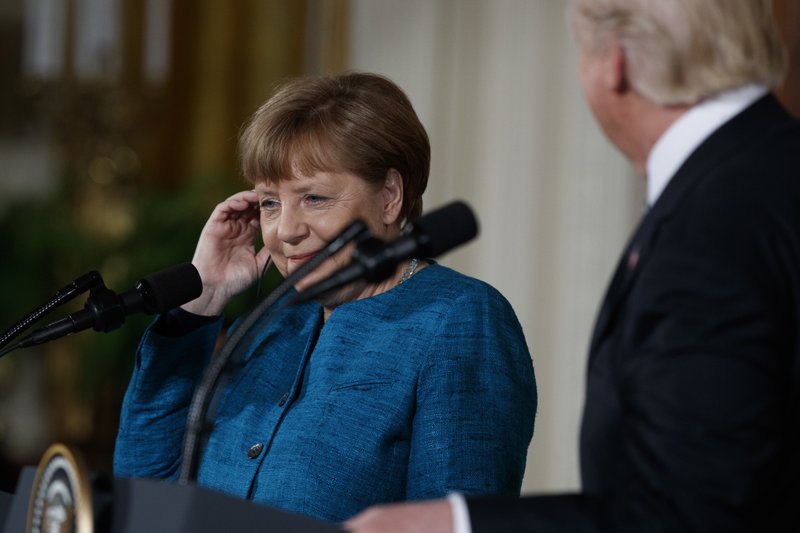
x=692, y=415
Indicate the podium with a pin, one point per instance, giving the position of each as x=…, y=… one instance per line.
x=123, y=505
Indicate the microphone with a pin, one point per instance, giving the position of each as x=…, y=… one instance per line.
x=375, y=260
x=105, y=310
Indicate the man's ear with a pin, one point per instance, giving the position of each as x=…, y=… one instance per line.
x=616, y=69
x=392, y=193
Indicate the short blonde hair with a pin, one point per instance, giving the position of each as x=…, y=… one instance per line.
x=360, y=123
x=682, y=51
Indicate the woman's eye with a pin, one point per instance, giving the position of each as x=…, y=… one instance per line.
x=269, y=204
x=313, y=199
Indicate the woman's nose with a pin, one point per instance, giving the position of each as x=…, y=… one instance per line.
x=292, y=227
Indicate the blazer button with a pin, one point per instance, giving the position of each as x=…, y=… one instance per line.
x=283, y=400
x=254, y=450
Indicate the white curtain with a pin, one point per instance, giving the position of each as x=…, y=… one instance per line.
x=495, y=83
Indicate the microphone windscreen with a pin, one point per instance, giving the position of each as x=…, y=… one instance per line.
x=445, y=228
x=171, y=287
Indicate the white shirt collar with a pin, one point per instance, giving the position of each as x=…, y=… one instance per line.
x=687, y=133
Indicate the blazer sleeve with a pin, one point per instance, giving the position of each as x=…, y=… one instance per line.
x=153, y=416
x=475, y=404
x=557, y=513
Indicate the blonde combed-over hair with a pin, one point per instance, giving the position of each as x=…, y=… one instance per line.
x=683, y=51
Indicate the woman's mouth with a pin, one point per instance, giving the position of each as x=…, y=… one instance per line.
x=299, y=259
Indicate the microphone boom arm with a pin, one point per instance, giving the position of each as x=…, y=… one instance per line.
x=78, y=286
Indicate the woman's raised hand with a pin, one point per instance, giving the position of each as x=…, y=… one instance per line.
x=226, y=255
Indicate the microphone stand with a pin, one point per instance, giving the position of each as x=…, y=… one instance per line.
x=197, y=422
x=78, y=286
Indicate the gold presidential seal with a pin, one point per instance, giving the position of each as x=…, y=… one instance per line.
x=61, y=496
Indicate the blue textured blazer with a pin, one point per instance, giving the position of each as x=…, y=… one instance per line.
x=421, y=390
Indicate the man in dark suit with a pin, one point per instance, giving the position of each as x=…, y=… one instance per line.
x=692, y=415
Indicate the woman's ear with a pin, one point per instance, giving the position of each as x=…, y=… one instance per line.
x=392, y=197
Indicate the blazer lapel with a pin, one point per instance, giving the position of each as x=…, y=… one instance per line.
x=631, y=262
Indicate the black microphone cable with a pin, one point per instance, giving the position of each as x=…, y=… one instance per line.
x=198, y=418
